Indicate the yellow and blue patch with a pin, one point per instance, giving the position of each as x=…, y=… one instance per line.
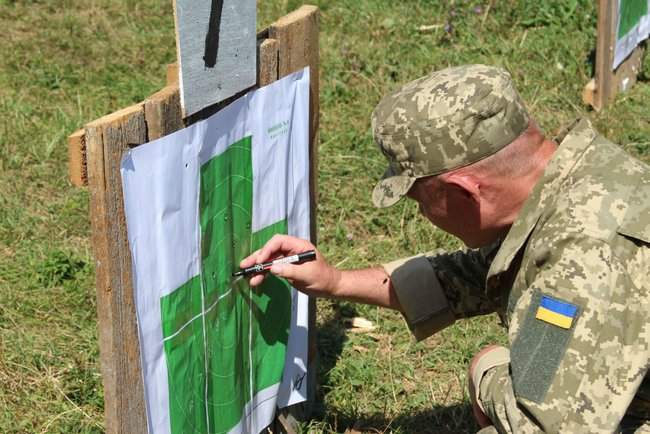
x=556, y=312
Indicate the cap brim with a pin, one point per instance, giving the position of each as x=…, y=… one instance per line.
x=391, y=189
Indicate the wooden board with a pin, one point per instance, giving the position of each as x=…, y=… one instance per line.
x=608, y=83
x=77, y=168
x=215, y=42
x=171, y=73
x=267, y=61
x=297, y=36
x=298, y=46
x=605, y=42
x=163, y=112
x=107, y=139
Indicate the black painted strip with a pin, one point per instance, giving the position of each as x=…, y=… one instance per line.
x=212, y=37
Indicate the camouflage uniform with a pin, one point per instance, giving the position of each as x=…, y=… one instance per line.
x=581, y=240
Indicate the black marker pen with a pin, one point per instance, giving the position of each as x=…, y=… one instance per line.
x=307, y=256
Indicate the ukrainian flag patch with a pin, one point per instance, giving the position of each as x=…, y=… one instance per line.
x=556, y=312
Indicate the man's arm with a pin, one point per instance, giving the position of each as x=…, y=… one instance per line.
x=320, y=279
x=430, y=291
x=435, y=290
x=368, y=286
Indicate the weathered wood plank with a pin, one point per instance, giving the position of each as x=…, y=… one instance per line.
x=77, y=171
x=267, y=61
x=163, y=112
x=605, y=43
x=172, y=74
x=215, y=42
x=99, y=240
x=108, y=138
x=297, y=34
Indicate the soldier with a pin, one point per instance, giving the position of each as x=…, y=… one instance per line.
x=559, y=238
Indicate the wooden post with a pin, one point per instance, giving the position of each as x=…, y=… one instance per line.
x=267, y=61
x=297, y=36
x=107, y=139
x=607, y=83
x=172, y=73
x=163, y=112
x=294, y=46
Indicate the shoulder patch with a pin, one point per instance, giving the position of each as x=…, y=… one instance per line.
x=540, y=345
x=556, y=312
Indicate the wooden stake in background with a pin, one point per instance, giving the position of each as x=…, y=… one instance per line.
x=607, y=83
x=287, y=46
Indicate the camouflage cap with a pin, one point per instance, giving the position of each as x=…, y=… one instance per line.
x=446, y=120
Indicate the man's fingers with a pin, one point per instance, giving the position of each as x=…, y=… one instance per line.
x=250, y=260
x=277, y=246
x=286, y=271
x=256, y=280
x=282, y=245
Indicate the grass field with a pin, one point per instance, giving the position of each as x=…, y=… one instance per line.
x=66, y=62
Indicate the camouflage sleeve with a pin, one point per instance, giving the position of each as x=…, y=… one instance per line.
x=462, y=277
x=435, y=290
x=579, y=345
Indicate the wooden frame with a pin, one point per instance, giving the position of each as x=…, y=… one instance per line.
x=607, y=83
x=288, y=45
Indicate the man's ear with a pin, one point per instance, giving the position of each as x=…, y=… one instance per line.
x=468, y=184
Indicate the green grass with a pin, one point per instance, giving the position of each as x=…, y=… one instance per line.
x=65, y=63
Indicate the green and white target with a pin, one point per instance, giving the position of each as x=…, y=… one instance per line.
x=217, y=355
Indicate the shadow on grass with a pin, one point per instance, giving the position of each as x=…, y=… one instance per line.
x=331, y=337
x=452, y=419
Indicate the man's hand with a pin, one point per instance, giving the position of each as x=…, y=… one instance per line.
x=319, y=279
x=480, y=417
x=316, y=278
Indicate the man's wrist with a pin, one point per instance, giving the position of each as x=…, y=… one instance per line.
x=333, y=287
